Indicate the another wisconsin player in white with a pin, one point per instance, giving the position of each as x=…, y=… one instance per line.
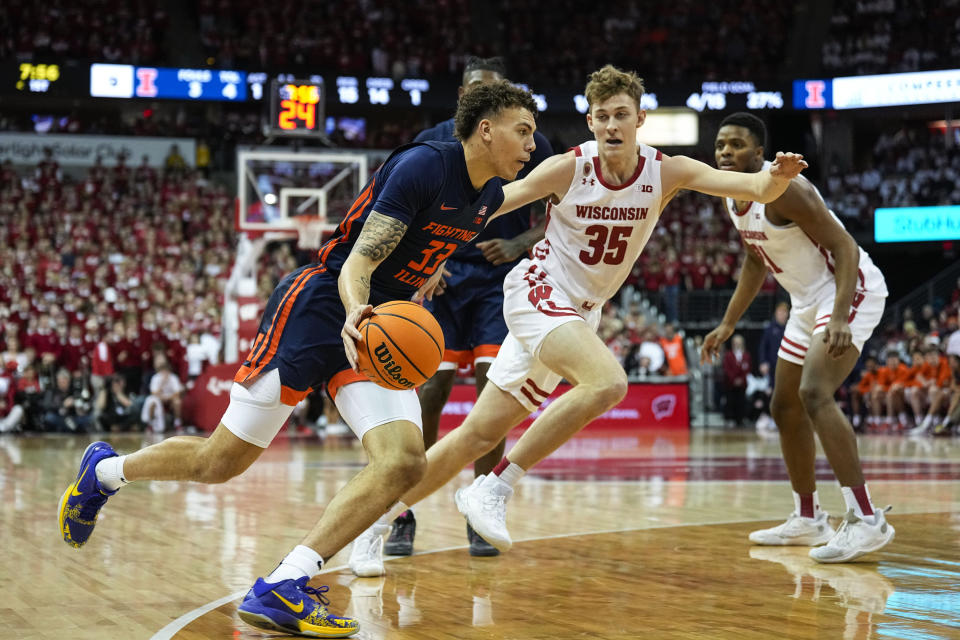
x=837, y=297
x=606, y=196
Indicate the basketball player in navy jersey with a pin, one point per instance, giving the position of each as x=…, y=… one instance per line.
x=470, y=311
x=426, y=200
x=605, y=198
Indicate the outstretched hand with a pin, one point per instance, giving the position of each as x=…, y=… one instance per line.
x=787, y=166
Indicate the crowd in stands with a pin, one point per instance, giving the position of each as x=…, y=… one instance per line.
x=111, y=290
x=891, y=36
x=381, y=37
x=403, y=39
x=97, y=30
x=910, y=380
x=908, y=166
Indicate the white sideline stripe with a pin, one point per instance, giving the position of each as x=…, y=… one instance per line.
x=171, y=629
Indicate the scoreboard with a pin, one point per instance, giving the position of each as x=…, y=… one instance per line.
x=64, y=79
x=296, y=106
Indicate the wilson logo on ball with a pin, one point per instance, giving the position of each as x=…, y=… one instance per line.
x=390, y=367
x=401, y=345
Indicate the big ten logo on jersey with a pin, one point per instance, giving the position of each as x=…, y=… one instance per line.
x=645, y=188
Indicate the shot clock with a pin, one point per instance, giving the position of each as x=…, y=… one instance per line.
x=296, y=106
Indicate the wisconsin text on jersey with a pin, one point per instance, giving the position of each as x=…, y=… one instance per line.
x=612, y=213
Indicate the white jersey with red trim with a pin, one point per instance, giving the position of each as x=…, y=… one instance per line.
x=596, y=232
x=799, y=264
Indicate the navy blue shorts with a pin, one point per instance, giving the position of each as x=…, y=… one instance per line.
x=299, y=335
x=470, y=311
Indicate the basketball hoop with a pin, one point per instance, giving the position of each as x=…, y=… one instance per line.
x=309, y=232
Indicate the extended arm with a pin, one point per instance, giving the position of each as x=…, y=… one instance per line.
x=378, y=238
x=752, y=275
x=681, y=172
x=550, y=179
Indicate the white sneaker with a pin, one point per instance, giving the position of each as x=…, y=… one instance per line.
x=796, y=531
x=484, y=505
x=918, y=430
x=855, y=538
x=366, y=554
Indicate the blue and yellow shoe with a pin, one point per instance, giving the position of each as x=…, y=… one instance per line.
x=288, y=606
x=81, y=502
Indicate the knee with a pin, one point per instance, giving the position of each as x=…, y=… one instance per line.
x=814, y=397
x=781, y=410
x=404, y=469
x=609, y=393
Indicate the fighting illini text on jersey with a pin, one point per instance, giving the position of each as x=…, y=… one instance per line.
x=596, y=232
x=799, y=264
x=442, y=213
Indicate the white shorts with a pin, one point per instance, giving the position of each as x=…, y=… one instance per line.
x=256, y=414
x=533, y=306
x=810, y=320
x=365, y=405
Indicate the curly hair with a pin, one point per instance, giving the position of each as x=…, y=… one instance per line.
x=488, y=101
x=610, y=81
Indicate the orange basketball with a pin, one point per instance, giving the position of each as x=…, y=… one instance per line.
x=401, y=345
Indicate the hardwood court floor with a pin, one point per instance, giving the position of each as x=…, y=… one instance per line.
x=619, y=535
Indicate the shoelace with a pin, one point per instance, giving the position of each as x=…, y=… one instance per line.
x=317, y=592
x=845, y=530
x=497, y=506
x=372, y=545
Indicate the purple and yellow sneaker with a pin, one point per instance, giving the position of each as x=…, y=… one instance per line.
x=81, y=502
x=289, y=606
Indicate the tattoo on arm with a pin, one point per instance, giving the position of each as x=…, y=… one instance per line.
x=364, y=282
x=379, y=237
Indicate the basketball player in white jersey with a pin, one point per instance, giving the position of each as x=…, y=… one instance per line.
x=837, y=297
x=606, y=196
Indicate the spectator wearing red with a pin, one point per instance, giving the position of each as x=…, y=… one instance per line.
x=75, y=355
x=43, y=339
x=736, y=365
x=697, y=276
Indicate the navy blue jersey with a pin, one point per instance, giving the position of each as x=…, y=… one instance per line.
x=426, y=186
x=507, y=226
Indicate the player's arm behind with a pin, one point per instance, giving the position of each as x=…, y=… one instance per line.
x=377, y=240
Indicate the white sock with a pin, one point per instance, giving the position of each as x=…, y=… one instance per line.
x=852, y=503
x=512, y=474
x=302, y=561
x=110, y=473
x=392, y=513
